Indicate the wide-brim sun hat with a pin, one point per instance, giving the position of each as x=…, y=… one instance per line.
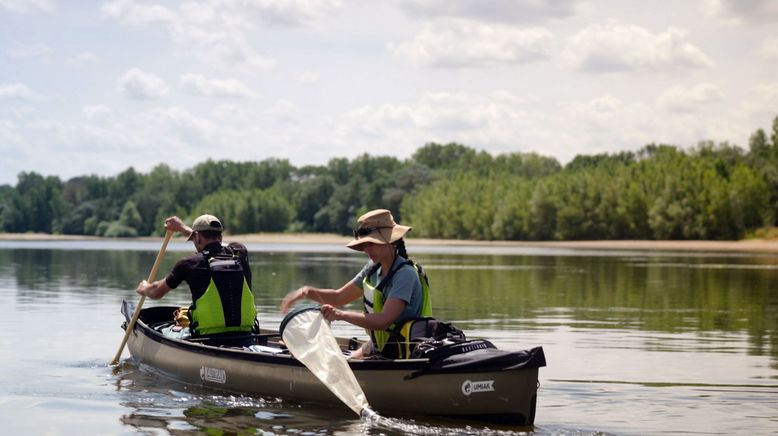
x=206, y=223
x=377, y=227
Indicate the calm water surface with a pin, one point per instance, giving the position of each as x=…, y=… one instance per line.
x=636, y=342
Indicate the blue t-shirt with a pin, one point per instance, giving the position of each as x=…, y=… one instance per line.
x=404, y=285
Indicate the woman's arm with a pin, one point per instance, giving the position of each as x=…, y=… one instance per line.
x=335, y=297
x=371, y=321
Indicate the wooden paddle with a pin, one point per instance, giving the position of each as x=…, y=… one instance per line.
x=136, y=314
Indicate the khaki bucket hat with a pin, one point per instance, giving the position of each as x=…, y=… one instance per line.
x=378, y=227
x=204, y=223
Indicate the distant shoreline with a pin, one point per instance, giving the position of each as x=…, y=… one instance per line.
x=746, y=245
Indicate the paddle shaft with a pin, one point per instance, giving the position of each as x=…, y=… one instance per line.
x=136, y=314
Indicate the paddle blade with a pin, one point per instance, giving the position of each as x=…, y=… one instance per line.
x=309, y=337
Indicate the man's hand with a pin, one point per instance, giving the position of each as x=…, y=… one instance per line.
x=155, y=290
x=175, y=224
x=143, y=288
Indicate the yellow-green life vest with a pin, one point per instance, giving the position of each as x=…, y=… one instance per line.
x=374, y=300
x=227, y=304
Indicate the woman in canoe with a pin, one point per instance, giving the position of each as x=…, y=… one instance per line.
x=393, y=288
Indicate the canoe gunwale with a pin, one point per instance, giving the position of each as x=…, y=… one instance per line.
x=142, y=327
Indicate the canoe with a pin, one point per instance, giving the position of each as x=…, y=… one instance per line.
x=477, y=383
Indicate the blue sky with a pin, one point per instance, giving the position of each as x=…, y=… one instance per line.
x=89, y=87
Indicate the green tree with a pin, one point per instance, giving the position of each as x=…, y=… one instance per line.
x=442, y=157
x=75, y=222
x=130, y=216
x=259, y=210
x=543, y=210
x=758, y=145
x=511, y=215
x=38, y=205
x=157, y=198
x=312, y=195
x=527, y=165
x=711, y=191
x=124, y=186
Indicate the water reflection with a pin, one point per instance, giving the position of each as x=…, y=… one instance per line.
x=157, y=404
x=636, y=342
x=651, y=293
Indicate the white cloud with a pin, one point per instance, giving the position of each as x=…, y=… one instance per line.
x=28, y=6
x=503, y=122
x=84, y=58
x=455, y=112
x=510, y=11
x=606, y=124
x=15, y=91
x=308, y=77
x=743, y=11
x=227, y=47
x=206, y=30
x=614, y=47
x=8, y=134
x=40, y=51
x=690, y=98
x=99, y=114
x=513, y=91
x=465, y=43
x=199, y=85
x=231, y=113
x=179, y=125
x=498, y=120
x=119, y=140
x=767, y=96
x=137, y=84
x=283, y=110
x=211, y=13
x=769, y=48
x=217, y=31
x=129, y=12
x=289, y=12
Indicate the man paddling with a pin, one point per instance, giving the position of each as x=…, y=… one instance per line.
x=219, y=278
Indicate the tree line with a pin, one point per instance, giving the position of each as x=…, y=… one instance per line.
x=712, y=191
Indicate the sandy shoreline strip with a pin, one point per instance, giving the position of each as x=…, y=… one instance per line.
x=747, y=245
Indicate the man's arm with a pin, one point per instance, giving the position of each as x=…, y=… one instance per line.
x=155, y=290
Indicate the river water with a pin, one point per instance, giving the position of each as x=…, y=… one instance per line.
x=637, y=342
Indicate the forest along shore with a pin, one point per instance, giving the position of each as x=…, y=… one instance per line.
x=746, y=245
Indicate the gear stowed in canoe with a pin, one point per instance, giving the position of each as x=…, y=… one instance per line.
x=469, y=379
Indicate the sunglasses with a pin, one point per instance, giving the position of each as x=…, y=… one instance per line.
x=364, y=231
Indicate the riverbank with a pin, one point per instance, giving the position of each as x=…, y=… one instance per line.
x=746, y=245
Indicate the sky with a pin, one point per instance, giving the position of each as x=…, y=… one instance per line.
x=91, y=87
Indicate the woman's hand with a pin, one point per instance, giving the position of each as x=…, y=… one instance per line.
x=293, y=297
x=331, y=313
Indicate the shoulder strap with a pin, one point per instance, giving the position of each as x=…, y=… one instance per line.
x=225, y=257
x=373, y=269
x=382, y=285
x=420, y=270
